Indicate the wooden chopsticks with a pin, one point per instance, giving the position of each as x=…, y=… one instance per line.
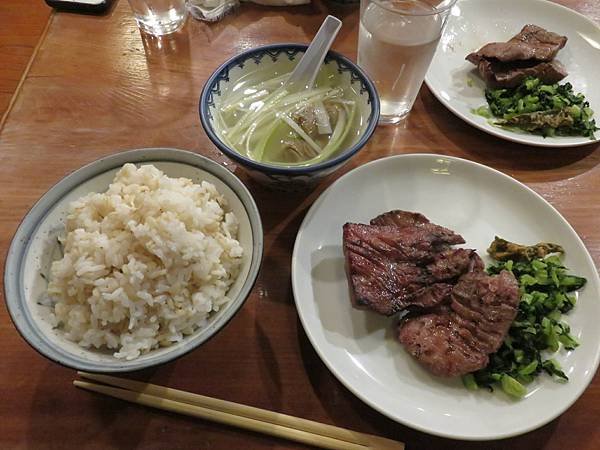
x=235, y=414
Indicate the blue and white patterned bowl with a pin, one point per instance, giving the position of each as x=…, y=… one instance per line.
x=34, y=247
x=282, y=58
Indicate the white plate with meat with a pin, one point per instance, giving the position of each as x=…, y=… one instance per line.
x=474, y=23
x=361, y=348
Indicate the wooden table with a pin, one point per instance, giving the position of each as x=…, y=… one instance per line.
x=21, y=25
x=97, y=87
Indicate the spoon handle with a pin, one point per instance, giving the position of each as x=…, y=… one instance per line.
x=305, y=73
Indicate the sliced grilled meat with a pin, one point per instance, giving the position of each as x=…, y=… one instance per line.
x=400, y=218
x=456, y=339
x=385, y=288
x=508, y=75
x=432, y=296
x=486, y=306
x=416, y=244
x=390, y=268
x=452, y=263
x=532, y=42
x=435, y=341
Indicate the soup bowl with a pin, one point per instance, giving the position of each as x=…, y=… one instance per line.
x=279, y=59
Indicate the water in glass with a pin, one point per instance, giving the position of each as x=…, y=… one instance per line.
x=397, y=40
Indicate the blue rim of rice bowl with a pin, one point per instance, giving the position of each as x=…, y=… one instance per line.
x=28, y=228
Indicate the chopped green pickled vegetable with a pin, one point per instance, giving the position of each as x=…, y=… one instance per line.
x=469, y=382
x=537, y=332
x=553, y=368
x=549, y=110
x=529, y=368
x=483, y=111
x=512, y=387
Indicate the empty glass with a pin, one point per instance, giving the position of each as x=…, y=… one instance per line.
x=159, y=17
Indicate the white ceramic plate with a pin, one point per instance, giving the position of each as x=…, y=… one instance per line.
x=474, y=23
x=359, y=346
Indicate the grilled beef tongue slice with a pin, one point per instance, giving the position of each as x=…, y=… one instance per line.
x=432, y=296
x=415, y=244
x=509, y=75
x=532, y=42
x=390, y=268
x=400, y=218
x=450, y=264
x=456, y=338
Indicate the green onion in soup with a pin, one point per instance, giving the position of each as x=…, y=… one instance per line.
x=262, y=121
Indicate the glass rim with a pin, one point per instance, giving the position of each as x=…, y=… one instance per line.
x=405, y=12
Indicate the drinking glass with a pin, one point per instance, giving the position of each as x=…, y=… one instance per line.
x=159, y=17
x=396, y=42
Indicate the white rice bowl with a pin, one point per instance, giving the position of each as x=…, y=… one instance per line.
x=145, y=263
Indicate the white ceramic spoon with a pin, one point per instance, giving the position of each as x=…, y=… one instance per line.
x=305, y=73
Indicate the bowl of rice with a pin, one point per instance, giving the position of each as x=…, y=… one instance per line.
x=133, y=260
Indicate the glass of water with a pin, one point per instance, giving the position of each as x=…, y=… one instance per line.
x=159, y=17
x=396, y=42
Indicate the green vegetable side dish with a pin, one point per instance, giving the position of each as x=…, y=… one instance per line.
x=538, y=331
x=545, y=109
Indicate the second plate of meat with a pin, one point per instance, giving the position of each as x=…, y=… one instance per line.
x=547, y=41
x=389, y=282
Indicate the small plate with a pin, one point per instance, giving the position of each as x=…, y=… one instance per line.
x=474, y=23
x=360, y=348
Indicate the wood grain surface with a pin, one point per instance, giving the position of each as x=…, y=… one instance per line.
x=21, y=25
x=96, y=87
